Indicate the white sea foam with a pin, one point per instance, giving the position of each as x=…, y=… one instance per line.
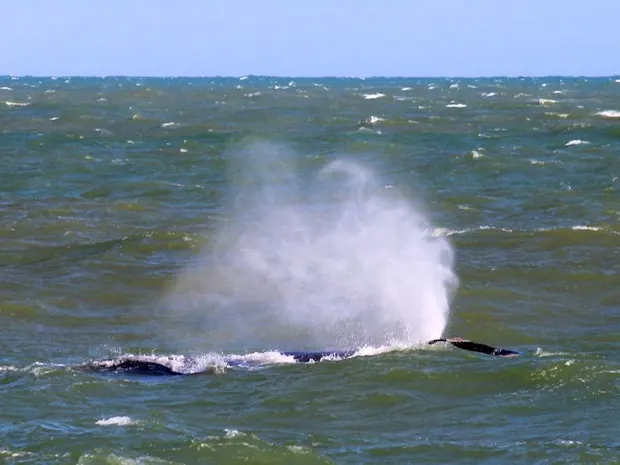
x=117, y=421
x=252, y=94
x=612, y=114
x=6, y=88
x=439, y=232
x=477, y=154
x=456, y=105
x=9, y=103
x=488, y=94
x=170, y=125
x=373, y=96
x=406, y=88
x=454, y=86
x=182, y=150
x=14, y=454
x=369, y=130
x=54, y=118
x=580, y=227
x=374, y=120
x=546, y=101
x=576, y=142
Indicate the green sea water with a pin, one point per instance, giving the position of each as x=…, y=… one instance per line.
x=195, y=221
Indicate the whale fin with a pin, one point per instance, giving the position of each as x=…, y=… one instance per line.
x=476, y=347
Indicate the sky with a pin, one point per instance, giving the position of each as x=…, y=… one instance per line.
x=310, y=38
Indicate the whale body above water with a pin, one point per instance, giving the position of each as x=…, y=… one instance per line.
x=139, y=366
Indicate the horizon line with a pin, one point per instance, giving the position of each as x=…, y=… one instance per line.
x=285, y=76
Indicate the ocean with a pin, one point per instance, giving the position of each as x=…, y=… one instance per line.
x=208, y=224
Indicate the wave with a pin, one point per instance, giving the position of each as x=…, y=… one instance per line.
x=116, y=421
x=611, y=114
x=576, y=142
x=9, y=103
x=438, y=232
x=373, y=96
x=140, y=244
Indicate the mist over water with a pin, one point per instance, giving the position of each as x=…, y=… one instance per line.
x=337, y=260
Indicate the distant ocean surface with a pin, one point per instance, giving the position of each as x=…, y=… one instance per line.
x=208, y=223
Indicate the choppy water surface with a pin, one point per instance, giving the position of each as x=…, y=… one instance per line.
x=208, y=223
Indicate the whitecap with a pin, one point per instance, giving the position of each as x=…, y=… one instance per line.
x=364, y=129
x=406, y=88
x=16, y=104
x=119, y=421
x=586, y=228
x=546, y=101
x=454, y=86
x=183, y=150
x=373, y=96
x=54, y=118
x=170, y=124
x=12, y=454
x=488, y=94
x=374, y=120
x=243, y=78
x=5, y=88
x=476, y=154
x=232, y=433
x=438, y=232
x=609, y=114
x=567, y=442
x=252, y=94
x=456, y=105
x=576, y=142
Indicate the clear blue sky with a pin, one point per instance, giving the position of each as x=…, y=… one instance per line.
x=310, y=37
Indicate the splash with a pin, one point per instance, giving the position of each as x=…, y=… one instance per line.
x=336, y=260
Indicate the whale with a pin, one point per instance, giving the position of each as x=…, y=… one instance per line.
x=136, y=366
